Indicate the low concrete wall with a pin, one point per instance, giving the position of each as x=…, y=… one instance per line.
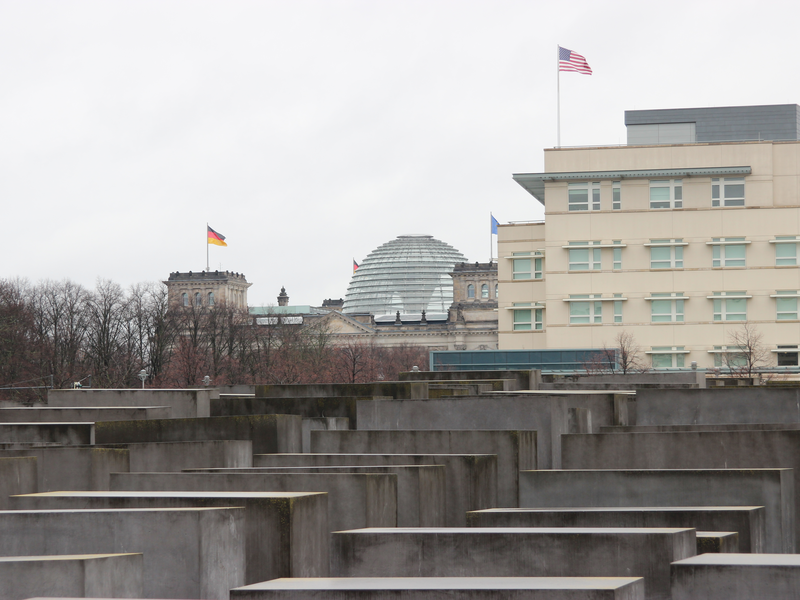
x=436, y=588
x=747, y=521
x=40, y=414
x=718, y=405
x=515, y=450
x=17, y=476
x=631, y=381
x=718, y=542
x=420, y=488
x=161, y=457
x=509, y=552
x=269, y=433
x=286, y=534
x=514, y=380
x=471, y=479
x=183, y=548
x=188, y=403
x=309, y=407
x=736, y=577
x=74, y=468
x=354, y=499
x=322, y=424
x=76, y=576
x=63, y=434
x=392, y=389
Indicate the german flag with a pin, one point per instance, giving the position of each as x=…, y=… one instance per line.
x=215, y=238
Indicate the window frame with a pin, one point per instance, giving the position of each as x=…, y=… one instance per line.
x=677, y=307
x=675, y=200
x=785, y=241
x=470, y=291
x=616, y=195
x=676, y=355
x=719, y=192
x=722, y=311
x=593, y=316
x=520, y=271
x=721, y=248
x=785, y=351
x=592, y=201
x=594, y=256
x=527, y=317
x=675, y=248
x=792, y=313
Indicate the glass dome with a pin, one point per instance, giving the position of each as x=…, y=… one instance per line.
x=409, y=274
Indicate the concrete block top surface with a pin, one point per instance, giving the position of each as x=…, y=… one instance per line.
x=519, y=530
x=15, y=559
x=115, y=510
x=172, y=494
x=732, y=471
x=443, y=583
x=631, y=393
x=338, y=455
x=617, y=509
x=746, y=560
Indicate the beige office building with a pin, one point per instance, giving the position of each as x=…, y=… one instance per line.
x=678, y=238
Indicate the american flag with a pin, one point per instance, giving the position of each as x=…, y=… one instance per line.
x=572, y=61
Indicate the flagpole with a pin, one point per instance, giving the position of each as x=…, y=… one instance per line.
x=558, y=97
x=491, y=250
x=208, y=264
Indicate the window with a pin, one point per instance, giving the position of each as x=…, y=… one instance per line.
x=521, y=268
x=484, y=291
x=666, y=308
x=616, y=195
x=668, y=357
x=198, y=299
x=470, y=291
x=732, y=359
x=617, y=309
x=584, y=258
x=728, y=191
x=496, y=291
x=785, y=250
x=786, y=305
x=211, y=298
x=185, y=299
x=666, y=193
x=590, y=311
x=787, y=355
x=617, y=264
x=527, y=319
x=728, y=252
x=730, y=306
x=584, y=196
x=666, y=254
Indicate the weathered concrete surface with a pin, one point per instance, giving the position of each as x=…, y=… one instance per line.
x=182, y=403
x=269, y=433
x=515, y=450
x=696, y=428
x=629, y=381
x=76, y=576
x=443, y=588
x=704, y=450
x=354, y=499
x=736, y=577
x=63, y=434
x=310, y=407
x=37, y=414
x=74, y=467
x=471, y=479
x=546, y=413
x=286, y=534
x=748, y=521
x=320, y=424
x=420, y=488
x=513, y=380
x=392, y=389
x=160, y=457
x=188, y=552
x=717, y=541
x=771, y=488
x=509, y=552
x=17, y=476
x=717, y=406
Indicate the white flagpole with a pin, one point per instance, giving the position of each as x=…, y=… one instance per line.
x=491, y=226
x=558, y=95
x=208, y=265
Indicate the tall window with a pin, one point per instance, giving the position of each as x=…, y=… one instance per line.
x=185, y=299
x=496, y=291
x=616, y=195
x=786, y=305
x=582, y=257
x=590, y=311
x=198, y=299
x=470, y=291
x=727, y=191
x=617, y=262
x=617, y=309
x=584, y=196
x=730, y=306
x=666, y=308
x=728, y=252
x=211, y=298
x=484, y=291
x=527, y=319
x=666, y=193
x=785, y=251
x=666, y=254
x=667, y=357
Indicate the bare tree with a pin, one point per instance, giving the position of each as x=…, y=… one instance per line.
x=746, y=352
x=623, y=357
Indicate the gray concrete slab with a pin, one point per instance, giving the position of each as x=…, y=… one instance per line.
x=354, y=499
x=420, y=488
x=736, y=577
x=305, y=406
x=269, y=433
x=75, y=576
x=515, y=450
x=705, y=450
x=471, y=479
x=175, y=456
x=35, y=414
x=717, y=541
x=74, y=467
x=64, y=434
x=319, y=424
x=188, y=552
x=445, y=588
x=509, y=552
x=286, y=533
x=186, y=403
x=771, y=488
x=17, y=476
x=747, y=521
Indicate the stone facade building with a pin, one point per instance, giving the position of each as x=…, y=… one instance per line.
x=207, y=288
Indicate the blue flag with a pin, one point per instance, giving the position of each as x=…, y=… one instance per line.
x=494, y=224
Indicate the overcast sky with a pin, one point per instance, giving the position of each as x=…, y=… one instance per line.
x=309, y=132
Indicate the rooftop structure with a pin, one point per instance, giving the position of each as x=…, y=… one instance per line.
x=207, y=288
